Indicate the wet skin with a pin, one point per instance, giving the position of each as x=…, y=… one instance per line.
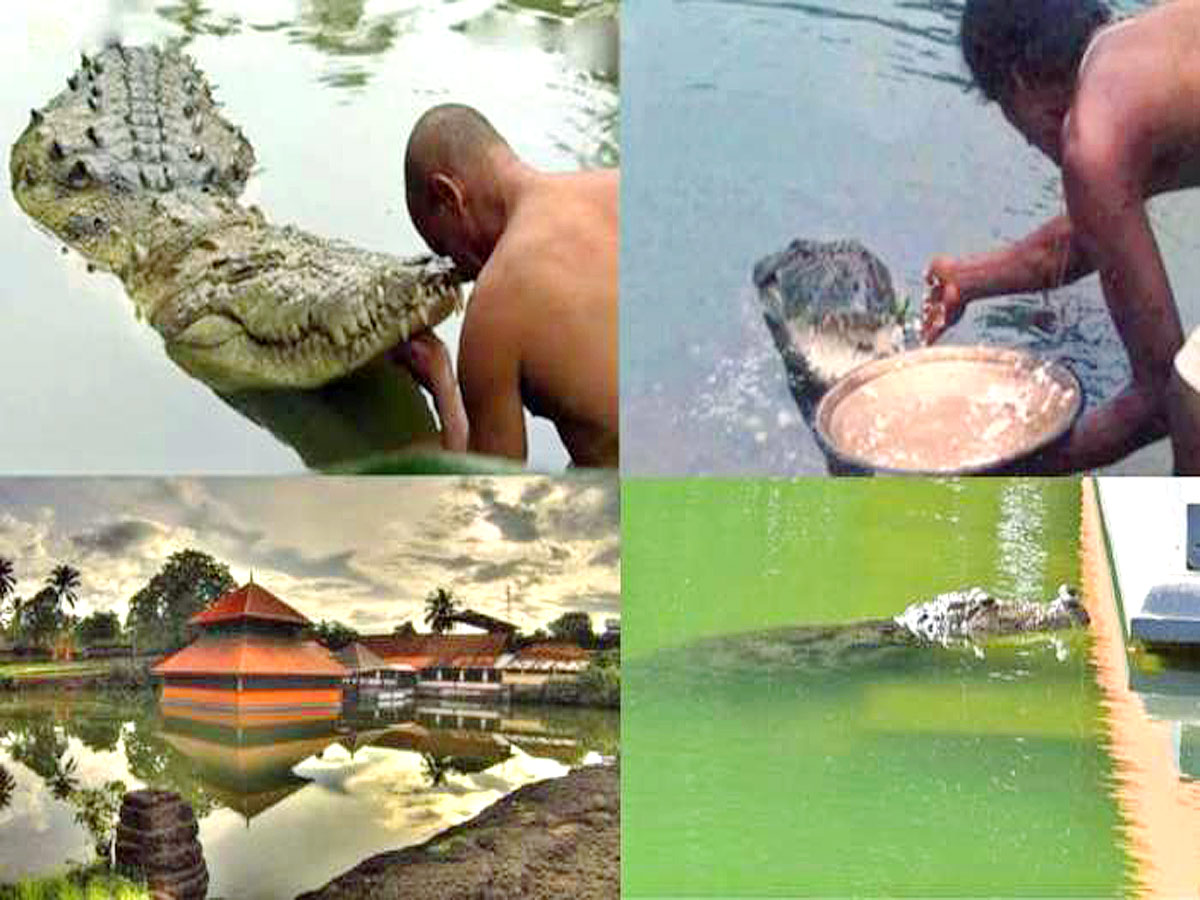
x=541, y=325
x=1128, y=129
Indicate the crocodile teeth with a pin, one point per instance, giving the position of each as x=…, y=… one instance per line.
x=404, y=329
x=423, y=315
x=339, y=336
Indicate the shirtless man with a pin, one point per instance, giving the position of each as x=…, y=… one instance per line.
x=1117, y=108
x=541, y=325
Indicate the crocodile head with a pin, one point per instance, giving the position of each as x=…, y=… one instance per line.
x=830, y=307
x=274, y=321
x=133, y=165
x=975, y=614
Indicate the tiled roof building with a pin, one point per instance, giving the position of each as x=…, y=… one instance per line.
x=251, y=666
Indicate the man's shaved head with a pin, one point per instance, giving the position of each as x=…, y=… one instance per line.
x=450, y=139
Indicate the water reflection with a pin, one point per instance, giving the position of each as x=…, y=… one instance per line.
x=398, y=776
x=1161, y=809
x=834, y=119
x=197, y=18
x=870, y=757
x=329, y=161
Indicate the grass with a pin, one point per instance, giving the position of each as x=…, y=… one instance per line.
x=95, y=883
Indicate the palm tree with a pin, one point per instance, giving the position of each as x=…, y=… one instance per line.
x=440, y=610
x=8, y=784
x=64, y=581
x=8, y=581
x=62, y=781
x=8, y=584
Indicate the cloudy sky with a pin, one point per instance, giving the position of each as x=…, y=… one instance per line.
x=363, y=551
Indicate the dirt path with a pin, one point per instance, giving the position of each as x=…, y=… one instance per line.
x=552, y=839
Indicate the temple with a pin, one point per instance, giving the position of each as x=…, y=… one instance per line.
x=252, y=666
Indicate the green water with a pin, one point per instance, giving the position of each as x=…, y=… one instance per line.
x=931, y=773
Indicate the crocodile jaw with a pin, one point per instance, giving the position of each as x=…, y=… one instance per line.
x=233, y=349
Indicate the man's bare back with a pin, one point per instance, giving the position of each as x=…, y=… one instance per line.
x=541, y=324
x=1117, y=107
x=548, y=295
x=1141, y=80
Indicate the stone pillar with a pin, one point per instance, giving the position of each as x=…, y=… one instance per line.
x=156, y=839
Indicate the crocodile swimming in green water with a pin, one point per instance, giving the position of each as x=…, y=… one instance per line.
x=968, y=618
x=133, y=166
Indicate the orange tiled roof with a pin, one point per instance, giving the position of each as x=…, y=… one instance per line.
x=556, y=651
x=425, y=651
x=250, y=601
x=240, y=654
x=355, y=657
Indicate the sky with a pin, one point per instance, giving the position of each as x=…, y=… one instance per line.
x=363, y=551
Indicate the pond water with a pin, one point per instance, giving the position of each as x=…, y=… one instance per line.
x=281, y=814
x=920, y=772
x=748, y=123
x=326, y=91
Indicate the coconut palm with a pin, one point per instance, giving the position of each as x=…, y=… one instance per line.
x=8, y=584
x=8, y=784
x=63, y=781
x=64, y=581
x=440, y=610
x=436, y=768
x=8, y=581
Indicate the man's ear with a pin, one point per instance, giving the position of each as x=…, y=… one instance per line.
x=446, y=192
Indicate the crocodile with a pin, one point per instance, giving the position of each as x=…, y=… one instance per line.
x=133, y=166
x=830, y=307
x=967, y=619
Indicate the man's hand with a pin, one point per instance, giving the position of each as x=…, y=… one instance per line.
x=944, y=304
x=427, y=358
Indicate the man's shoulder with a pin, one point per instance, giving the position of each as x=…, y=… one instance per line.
x=490, y=313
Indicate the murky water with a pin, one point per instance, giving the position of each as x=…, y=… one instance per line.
x=751, y=122
x=939, y=772
x=326, y=91
x=266, y=807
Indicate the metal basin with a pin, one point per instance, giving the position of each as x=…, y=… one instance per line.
x=948, y=411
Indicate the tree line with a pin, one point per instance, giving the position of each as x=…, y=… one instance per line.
x=158, y=612
x=186, y=584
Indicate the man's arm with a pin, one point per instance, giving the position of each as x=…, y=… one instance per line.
x=1106, y=203
x=489, y=373
x=1047, y=258
x=426, y=357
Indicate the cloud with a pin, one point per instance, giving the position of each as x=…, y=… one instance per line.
x=609, y=556
x=361, y=551
x=115, y=538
